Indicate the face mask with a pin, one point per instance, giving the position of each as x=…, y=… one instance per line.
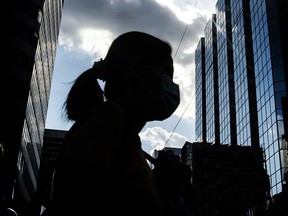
x=151, y=98
x=158, y=102
x=170, y=95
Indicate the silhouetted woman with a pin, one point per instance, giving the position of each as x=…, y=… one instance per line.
x=103, y=170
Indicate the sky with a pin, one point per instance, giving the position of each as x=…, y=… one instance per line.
x=87, y=29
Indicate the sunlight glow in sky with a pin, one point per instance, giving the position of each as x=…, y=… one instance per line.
x=89, y=27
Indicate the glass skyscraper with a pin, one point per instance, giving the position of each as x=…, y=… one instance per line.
x=31, y=33
x=241, y=81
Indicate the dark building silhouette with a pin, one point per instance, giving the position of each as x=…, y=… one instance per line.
x=53, y=144
x=229, y=179
x=176, y=151
x=173, y=179
x=31, y=31
x=241, y=82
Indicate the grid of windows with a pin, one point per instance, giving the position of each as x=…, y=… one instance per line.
x=209, y=79
x=224, y=108
x=254, y=74
x=37, y=104
x=266, y=81
x=199, y=105
x=241, y=74
x=241, y=86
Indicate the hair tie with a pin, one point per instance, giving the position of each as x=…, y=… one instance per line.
x=100, y=69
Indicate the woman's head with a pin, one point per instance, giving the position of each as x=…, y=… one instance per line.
x=133, y=71
x=137, y=49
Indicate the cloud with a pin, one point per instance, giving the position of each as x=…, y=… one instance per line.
x=88, y=27
x=158, y=138
x=90, y=22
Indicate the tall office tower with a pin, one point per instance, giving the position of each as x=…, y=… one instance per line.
x=31, y=37
x=211, y=84
x=244, y=75
x=269, y=37
x=251, y=81
x=52, y=147
x=226, y=89
x=200, y=124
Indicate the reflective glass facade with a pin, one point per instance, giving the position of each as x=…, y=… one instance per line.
x=31, y=31
x=37, y=104
x=244, y=75
x=211, y=82
x=271, y=87
x=200, y=126
x=252, y=81
x=225, y=74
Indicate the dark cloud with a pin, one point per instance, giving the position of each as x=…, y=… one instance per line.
x=117, y=17
x=122, y=16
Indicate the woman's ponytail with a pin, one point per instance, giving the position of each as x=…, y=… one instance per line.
x=84, y=94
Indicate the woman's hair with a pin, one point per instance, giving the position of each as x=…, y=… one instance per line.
x=129, y=48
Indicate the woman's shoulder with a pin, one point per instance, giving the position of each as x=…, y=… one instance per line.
x=100, y=130
x=105, y=122
x=104, y=115
x=105, y=111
